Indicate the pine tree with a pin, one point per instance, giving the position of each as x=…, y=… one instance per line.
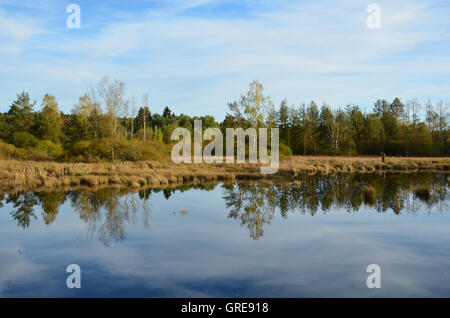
x=20, y=115
x=167, y=113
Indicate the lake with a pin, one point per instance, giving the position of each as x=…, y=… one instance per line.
x=313, y=237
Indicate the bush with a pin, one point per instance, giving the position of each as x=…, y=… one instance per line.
x=148, y=134
x=90, y=151
x=6, y=150
x=50, y=148
x=23, y=139
x=31, y=154
x=127, y=150
x=285, y=151
x=42, y=150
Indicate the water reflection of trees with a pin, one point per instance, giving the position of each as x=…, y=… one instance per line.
x=24, y=203
x=108, y=212
x=255, y=204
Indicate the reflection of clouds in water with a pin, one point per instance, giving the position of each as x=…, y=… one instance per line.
x=319, y=261
x=207, y=253
x=332, y=261
x=16, y=269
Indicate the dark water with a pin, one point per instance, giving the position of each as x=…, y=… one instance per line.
x=309, y=239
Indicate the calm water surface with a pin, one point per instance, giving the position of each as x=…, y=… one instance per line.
x=312, y=238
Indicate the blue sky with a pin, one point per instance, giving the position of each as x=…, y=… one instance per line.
x=197, y=55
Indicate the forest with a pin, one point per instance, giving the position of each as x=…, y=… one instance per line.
x=107, y=125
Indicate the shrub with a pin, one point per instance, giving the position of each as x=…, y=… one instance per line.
x=285, y=151
x=23, y=139
x=127, y=150
x=52, y=150
x=90, y=151
x=148, y=134
x=6, y=150
x=30, y=154
x=130, y=150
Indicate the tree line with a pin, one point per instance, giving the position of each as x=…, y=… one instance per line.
x=105, y=124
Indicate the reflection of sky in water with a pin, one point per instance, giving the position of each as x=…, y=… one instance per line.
x=205, y=253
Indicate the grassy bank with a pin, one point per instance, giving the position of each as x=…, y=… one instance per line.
x=35, y=175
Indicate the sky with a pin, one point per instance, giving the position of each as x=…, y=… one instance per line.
x=195, y=56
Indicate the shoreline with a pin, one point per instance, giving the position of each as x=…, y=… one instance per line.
x=31, y=175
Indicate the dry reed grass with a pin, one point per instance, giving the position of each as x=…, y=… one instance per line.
x=31, y=174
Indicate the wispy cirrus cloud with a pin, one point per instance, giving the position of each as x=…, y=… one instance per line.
x=15, y=31
x=195, y=57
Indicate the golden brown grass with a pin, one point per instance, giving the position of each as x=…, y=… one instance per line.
x=329, y=164
x=31, y=174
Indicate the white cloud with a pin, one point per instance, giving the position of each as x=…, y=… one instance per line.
x=15, y=31
x=196, y=64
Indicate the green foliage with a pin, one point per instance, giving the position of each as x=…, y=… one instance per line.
x=125, y=150
x=51, y=149
x=167, y=113
x=84, y=119
x=94, y=130
x=50, y=121
x=5, y=127
x=24, y=139
x=253, y=106
x=35, y=150
x=284, y=151
x=157, y=134
x=31, y=154
x=351, y=132
x=148, y=134
x=90, y=150
x=20, y=115
x=144, y=116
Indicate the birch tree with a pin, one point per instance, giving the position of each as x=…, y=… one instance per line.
x=145, y=105
x=112, y=93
